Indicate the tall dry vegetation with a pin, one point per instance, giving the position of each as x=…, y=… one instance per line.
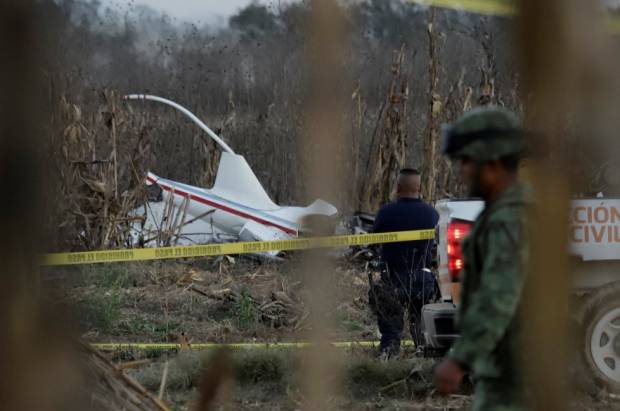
x=410, y=69
x=98, y=157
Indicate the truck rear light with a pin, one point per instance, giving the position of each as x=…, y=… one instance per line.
x=457, y=230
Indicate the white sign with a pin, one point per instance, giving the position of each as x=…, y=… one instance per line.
x=595, y=230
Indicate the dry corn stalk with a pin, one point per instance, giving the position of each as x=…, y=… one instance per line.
x=389, y=144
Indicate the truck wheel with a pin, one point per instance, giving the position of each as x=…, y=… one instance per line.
x=601, y=340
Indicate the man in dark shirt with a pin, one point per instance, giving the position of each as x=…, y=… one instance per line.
x=406, y=280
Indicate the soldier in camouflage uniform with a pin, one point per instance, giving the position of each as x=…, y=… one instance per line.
x=488, y=143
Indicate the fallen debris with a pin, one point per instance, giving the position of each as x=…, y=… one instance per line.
x=236, y=206
x=111, y=389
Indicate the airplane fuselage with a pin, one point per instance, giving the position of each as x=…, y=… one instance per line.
x=228, y=216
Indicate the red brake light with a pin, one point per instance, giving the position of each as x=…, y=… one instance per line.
x=457, y=230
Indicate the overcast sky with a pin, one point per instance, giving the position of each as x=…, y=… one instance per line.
x=196, y=11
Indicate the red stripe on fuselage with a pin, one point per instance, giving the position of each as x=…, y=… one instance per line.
x=222, y=207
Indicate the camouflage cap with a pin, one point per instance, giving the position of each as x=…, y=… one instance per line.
x=484, y=133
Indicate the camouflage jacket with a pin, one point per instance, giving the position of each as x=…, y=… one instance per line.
x=495, y=256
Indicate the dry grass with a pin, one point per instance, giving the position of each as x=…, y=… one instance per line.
x=275, y=372
x=268, y=379
x=157, y=306
x=209, y=300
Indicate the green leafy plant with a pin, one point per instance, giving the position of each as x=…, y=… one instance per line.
x=245, y=311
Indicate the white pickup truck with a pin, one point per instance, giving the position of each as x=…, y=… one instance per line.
x=595, y=245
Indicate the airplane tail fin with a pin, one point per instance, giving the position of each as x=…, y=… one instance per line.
x=237, y=182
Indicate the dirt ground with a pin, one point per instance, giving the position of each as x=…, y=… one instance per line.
x=229, y=300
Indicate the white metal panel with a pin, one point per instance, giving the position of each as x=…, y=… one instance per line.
x=197, y=232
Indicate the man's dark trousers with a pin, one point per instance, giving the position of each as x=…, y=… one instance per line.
x=395, y=294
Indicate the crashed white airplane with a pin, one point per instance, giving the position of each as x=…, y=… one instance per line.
x=237, y=204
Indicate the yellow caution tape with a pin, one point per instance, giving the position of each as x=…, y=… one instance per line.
x=504, y=8
x=208, y=346
x=491, y=7
x=162, y=253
